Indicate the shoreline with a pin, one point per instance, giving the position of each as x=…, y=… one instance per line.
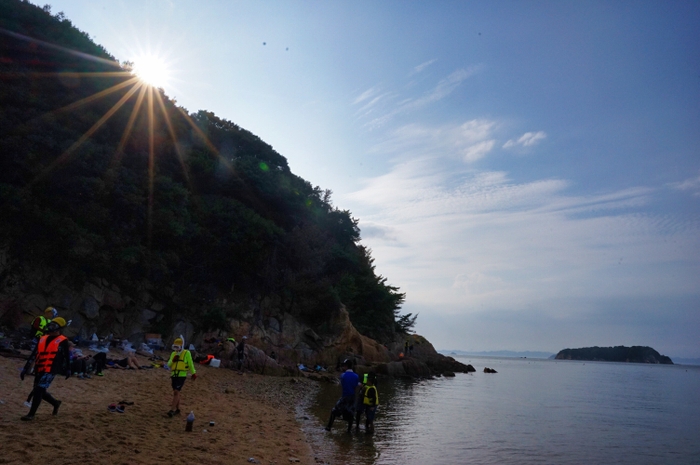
x=255, y=417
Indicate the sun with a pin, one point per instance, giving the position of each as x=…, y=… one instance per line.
x=151, y=70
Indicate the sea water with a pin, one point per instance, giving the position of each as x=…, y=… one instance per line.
x=533, y=411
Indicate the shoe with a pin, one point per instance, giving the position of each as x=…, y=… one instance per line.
x=80, y=376
x=100, y=374
x=27, y=418
x=27, y=404
x=56, y=407
x=86, y=376
x=171, y=413
x=119, y=409
x=112, y=408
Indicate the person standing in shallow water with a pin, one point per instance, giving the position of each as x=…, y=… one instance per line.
x=368, y=402
x=180, y=363
x=345, y=407
x=51, y=357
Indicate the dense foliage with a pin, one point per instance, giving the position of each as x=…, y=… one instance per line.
x=190, y=203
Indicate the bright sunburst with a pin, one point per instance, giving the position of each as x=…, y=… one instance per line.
x=152, y=70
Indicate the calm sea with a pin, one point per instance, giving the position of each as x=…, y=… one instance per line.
x=532, y=411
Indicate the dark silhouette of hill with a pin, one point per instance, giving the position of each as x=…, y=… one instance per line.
x=101, y=175
x=634, y=354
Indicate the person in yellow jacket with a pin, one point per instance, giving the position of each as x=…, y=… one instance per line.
x=39, y=323
x=368, y=402
x=180, y=363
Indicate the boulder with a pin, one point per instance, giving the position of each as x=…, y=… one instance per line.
x=273, y=324
x=90, y=308
x=146, y=316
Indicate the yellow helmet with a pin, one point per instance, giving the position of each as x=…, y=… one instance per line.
x=59, y=321
x=50, y=312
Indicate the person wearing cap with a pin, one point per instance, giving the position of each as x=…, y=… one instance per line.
x=345, y=407
x=39, y=327
x=51, y=357
x=180, y=363
x=368, y=401
x=39, y=323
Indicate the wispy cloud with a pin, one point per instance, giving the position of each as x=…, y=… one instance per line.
x=526, y=140
x=440, y=91
x=420, y=68
x=444, y=88
x=691, y=184
x=469, y=141
x=369, y=93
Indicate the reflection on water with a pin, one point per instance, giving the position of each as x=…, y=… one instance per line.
x=531, y=411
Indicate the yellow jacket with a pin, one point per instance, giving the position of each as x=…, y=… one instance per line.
x=184, y=364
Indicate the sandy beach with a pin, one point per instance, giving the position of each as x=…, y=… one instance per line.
x=254, y=417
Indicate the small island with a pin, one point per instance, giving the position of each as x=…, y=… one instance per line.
x=634, y=354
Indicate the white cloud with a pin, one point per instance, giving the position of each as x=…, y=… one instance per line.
x=478, y=150
x=691, y=184
x=463, y=238
x=442, y=89
x=422, y=66
x=445, y=87
x=469, y=142
x=526, y=140
x=369, y=93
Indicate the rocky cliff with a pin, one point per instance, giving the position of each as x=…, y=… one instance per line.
x=97, y=306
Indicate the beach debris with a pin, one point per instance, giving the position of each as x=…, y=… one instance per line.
x=252, y=460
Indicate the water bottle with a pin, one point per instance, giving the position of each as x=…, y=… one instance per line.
x=190, y=422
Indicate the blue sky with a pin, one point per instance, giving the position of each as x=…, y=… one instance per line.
x=527, y=172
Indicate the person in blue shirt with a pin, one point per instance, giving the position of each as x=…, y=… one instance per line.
x=345, y=407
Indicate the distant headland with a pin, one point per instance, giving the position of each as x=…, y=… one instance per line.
x=634, y=354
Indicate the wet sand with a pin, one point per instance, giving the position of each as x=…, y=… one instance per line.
x=255, y=418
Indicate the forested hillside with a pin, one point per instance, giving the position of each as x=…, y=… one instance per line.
x=102, y=175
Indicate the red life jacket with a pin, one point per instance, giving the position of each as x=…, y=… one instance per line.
x=46, y=353
x=207, y=360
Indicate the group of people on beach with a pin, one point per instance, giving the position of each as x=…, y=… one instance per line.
x=53, y=354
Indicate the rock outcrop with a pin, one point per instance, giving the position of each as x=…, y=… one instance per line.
x=423, y=361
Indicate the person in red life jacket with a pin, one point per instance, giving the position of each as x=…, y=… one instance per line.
x=180, y=363
x=39, y=327
x=51, y=357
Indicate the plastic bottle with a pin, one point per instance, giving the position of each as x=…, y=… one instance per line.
x=190, y=422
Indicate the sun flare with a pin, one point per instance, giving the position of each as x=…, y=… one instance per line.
x=152, y=70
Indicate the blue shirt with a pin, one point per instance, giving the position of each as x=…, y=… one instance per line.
x=349, y=380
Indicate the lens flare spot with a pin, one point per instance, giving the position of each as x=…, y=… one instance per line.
x=263, y=166
x=152, y=70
